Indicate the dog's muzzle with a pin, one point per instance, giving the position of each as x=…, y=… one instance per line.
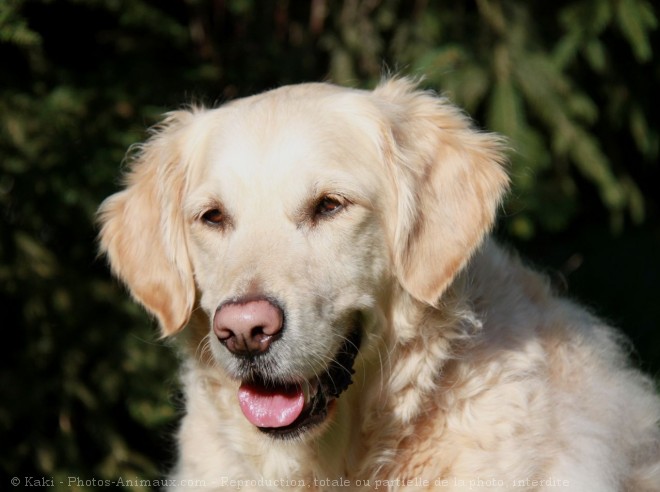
x=248, y=327
x=288, y=409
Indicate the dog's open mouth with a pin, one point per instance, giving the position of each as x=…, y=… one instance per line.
x=289, y=409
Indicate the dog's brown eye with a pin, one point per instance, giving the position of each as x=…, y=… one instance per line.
x=214, y=217
x=328, y=206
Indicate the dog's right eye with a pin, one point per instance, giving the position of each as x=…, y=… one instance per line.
x=214, y=217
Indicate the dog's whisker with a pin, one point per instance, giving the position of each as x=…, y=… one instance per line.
x=204, y=353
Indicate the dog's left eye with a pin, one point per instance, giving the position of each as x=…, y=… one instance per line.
x=327, y=206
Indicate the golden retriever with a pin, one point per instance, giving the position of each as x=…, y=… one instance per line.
x=322, y=254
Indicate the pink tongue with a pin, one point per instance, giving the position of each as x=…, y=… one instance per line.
x=271, y=407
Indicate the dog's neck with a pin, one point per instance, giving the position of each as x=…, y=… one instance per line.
x=399, y=388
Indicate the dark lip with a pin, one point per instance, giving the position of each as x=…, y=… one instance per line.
x=335, y=380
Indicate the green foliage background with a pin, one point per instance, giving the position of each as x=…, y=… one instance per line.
x=86, y=388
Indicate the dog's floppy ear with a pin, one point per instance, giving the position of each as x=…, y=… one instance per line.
x=449, y=179
x=142, y=230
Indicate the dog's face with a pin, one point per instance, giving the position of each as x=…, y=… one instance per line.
x=293, y=213
x=291, y=219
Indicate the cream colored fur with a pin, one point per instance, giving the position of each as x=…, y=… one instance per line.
x=473, y=373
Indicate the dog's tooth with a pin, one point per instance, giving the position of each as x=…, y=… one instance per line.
x=309, y=391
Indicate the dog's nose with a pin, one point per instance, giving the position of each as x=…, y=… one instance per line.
x=248, y=328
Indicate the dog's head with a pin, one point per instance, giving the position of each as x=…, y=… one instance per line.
x=290, y=219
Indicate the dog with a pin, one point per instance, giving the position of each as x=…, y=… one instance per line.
x=322, y=255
